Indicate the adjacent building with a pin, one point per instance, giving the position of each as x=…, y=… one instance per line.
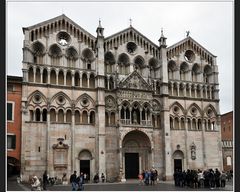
x=227, y=140
x=116, y=105
x=14, y=123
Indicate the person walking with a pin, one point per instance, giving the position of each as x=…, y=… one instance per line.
x=73, y=181
x=80, y=181
x=103, y=177
x=45, y=180
x=36, y=186
x=223, y=178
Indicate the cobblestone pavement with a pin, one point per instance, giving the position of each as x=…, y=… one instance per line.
x=132, y=185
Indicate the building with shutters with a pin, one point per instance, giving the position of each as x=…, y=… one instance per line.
x=14, y=123
x=227, y=140
x=116, y=105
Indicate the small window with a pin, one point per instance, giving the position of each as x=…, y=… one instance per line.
x=11, y=141
x=229, y=161
x=89, y=66
x=10, y=87
x=10, y=111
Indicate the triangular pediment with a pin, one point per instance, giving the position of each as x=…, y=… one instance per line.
x=131, y=34
x=186, y=44
x=62, y=19
x=135, y=81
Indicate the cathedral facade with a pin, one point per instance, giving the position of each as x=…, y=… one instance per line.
x=116, y=105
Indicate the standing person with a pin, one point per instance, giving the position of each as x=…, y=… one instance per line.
x=223, y=178
x=103, y=177
x=217, y=178
x=73, y=181
x=36, y=186
x=85, y=177
x=140, y=177
x=80, y=180
x=45, y=180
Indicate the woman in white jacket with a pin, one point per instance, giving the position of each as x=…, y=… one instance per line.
x=36, y=186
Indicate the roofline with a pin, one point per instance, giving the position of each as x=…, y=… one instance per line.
x=53, y=19
x=194, y=42
x=14, y=78
x=227, y=113
x=129, y=28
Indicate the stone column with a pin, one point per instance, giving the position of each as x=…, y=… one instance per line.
x=57, y=76
x=41, y=75
x=88, y=76
x=73, y=82
x=203, y=145
x=49, y=72
x=186, y=143
x=34, y=74
x=73, y=167
x=177, y=88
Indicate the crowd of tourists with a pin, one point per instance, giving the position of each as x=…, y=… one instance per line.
x=200, y=179
x=148, y=177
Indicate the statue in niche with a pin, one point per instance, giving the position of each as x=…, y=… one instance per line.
x=134, y=117
x=193, y=151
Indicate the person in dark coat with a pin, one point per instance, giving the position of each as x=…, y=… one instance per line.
x=217, y=178
x=73, y=181
x=45, y=180
x=80, y=181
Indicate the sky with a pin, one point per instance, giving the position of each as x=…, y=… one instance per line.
x=209, y=23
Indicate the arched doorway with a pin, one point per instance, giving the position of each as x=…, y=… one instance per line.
x=178, y=160
x=85, y=158
x=137, y=154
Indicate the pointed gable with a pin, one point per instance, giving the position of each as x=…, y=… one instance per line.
x=61, y=22
x=190, y=43
x=135, y=81
x=131, y=34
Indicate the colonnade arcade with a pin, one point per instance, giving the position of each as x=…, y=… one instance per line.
x=136, y=114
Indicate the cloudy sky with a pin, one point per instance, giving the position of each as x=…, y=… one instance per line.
x=209, y=23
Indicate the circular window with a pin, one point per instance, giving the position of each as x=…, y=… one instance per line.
x=85, y=102
x=131, y=47
x=176, y=109
x=209, y=112
x=61, y=100
x=63, y=38
x=37, y=98
x=189, y=56
x=194, y=111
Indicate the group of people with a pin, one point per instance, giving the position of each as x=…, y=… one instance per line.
x=96, y=178
x=148, y=177
x=200, y=179
x=77, y=181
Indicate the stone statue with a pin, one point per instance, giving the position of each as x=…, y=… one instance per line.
x=193, y=151
x=135, y=117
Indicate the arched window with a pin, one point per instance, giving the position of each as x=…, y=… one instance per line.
x=111, y=83
x=92, y=81
x=52, y=115
x=123, y=62
x=85, y=117
x=69, y=116
x=194, y=124
x=109, y=62
x=38, y=75
x=207, y=72
x=229, y=161
x=72, y=56
x=38, y=51
x=60, y=116
x=88, y=58
x=77, y=79
x=77, y=117
x=183, y=71
x=195, y=72
x=31, y=115
x=60, y=78
x=45, y=76
x=44, y=115
x=53, y=77
x=38, y=115
x=182, y=123
x=189, y=124
x=84, y=80
x=199, y=125
x=171, y=123
x=92, y=117
x=171, y=68
x=55, y=54
x=112, y=119
x=69, y=78
x=176, y=123
x=30, y=74
x=106, y=119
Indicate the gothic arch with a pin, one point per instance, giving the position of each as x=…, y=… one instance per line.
x=55, y=50
x=205, y=111
x=109, y=58
x=176, y=103
x=71, y=53
x=88, y=55
x=85, y=154
x=38, y=48
x=60, y=94
x=196, y=106
x=85, y=95
x=30, y=97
